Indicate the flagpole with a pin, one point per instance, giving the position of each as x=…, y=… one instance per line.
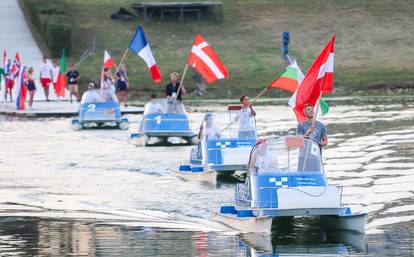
x=256, y=98
x=124, y=55
x=182, y=79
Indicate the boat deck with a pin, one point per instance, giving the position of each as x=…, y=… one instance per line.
x=55, y=109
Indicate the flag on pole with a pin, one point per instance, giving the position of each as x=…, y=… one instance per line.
x=205, y=61
x=290, y=78
x=324, y=107
x=108, y=61
x=5, y=66
x=15, y=69
x=21, y=90
x=318, y=81
x=140, y=46
x=61, y=81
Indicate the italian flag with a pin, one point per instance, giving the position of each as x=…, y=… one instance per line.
x=61, y=81
x=290, y=79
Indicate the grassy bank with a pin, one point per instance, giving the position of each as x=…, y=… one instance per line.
x=373, y=48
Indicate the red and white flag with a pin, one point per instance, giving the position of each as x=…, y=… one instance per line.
x=15, y=69
x=108, y=62
x=318, y=81
x=5, y=62
x=206, y=62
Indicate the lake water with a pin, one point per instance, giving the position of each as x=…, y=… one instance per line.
x=92, y=193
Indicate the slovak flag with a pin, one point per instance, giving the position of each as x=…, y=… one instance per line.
x=15, y=69
x=108, y=61
x=206, y=62
x=21, y=90
x=140, y=46
x=318, y=81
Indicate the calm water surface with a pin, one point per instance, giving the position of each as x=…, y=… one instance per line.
x=91, y=193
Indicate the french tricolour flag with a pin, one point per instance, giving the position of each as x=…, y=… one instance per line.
x=140, y=46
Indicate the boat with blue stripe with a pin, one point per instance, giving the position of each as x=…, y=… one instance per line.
x=286, y=179
x=222, y=150
x=164, y=119
x=96, y=112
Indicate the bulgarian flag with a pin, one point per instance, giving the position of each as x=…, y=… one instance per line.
x=290, y=79
x=317, y=82
x=61, y=81
x=21, y=90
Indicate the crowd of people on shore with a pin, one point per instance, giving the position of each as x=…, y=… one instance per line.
x=49, y=72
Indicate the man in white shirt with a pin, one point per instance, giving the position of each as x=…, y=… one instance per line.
x=211, y=131
x=265, y=162
x=46, y=76
x=154, y=106
x=246, y=116
x=92, y=95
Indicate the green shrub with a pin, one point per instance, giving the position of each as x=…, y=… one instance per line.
x=58, y=37
x=50, y=20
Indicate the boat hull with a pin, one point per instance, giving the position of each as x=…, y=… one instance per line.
x=246, y=224
x=209, y=176
x=354, y=222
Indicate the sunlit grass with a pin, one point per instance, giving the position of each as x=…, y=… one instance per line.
x=373, y=47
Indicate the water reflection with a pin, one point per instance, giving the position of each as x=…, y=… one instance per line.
x=51, y=237
x=95, y=177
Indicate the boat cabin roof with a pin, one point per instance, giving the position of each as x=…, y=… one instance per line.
x=164, y=106
x=95, y=96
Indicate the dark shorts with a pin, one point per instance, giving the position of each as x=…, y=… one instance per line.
x=31, y=86
x=121, y=86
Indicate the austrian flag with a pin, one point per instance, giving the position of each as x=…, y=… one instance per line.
x=206, y=62
x=317, y=82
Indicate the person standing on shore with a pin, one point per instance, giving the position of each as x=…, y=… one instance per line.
x=1, y=76
x=46, y=76
x=8, y=81
x=122, y=85
x=73, y=81
x=31, y=86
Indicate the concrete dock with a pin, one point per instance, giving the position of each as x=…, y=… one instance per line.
x=55, y=109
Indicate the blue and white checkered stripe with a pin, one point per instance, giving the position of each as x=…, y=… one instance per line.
x=280, y=181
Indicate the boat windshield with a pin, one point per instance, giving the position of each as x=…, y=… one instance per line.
x=164, y=106
x=241, y=125
x=288, y=154
x=97, y=96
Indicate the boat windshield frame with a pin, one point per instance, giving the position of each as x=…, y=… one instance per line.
x=165, y=106
x=294, y=154
x=100, y=98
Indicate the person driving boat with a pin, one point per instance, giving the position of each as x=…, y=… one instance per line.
x=92, y=95
x=154, y=106
x=265, y=162
x=211, y=130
